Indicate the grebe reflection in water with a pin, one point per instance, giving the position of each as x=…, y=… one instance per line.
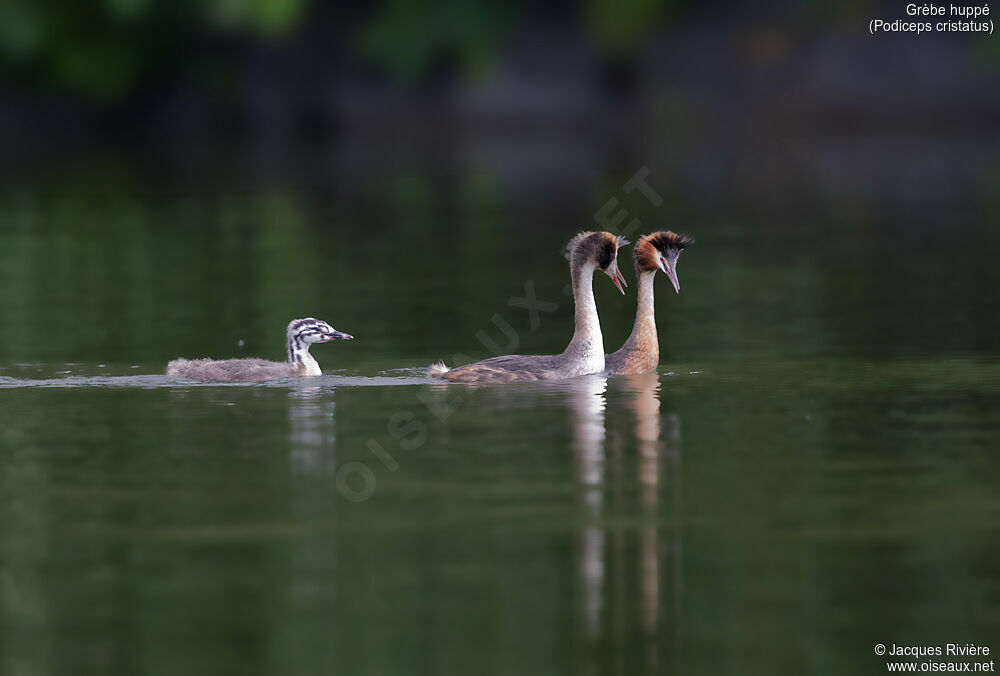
x=630, y=407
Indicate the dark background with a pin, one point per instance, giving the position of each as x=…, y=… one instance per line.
x=771, y=106
x=169, y=166
x=812, y=471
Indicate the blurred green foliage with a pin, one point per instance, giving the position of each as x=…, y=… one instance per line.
x=105, y=48
x=410, y=38
x=616, y=26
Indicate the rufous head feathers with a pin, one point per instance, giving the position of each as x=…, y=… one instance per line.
x=659, y=251
x=650, y=248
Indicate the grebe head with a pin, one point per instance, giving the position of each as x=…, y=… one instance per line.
x=311, y=330
x=599, y=249
x=660, y=251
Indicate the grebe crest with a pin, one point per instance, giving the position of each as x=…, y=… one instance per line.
x=600, y=249
x=660, y=251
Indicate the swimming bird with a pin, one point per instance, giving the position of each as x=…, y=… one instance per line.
x=641, y=352
x=301, y=334
x=587, y=252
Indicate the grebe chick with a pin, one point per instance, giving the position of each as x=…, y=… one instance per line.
x=641, y=352
x=301, y=334
x=587, y=252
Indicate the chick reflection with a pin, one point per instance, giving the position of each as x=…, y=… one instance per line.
x=610, y=493
x=311, y=430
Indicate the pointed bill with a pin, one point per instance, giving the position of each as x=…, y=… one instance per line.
x=669, y=266
x=616, y=276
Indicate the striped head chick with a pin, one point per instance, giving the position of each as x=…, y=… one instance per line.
x=304, y=332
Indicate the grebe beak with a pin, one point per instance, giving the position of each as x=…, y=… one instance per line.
x=339, y=335
x=617, y=277
x=669, y=266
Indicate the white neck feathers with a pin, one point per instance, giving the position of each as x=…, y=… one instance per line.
x=299, y=357
x=587, y=346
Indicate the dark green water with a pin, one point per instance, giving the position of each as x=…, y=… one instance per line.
x=812, y=472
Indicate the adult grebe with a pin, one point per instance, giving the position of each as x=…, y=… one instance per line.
x=301, y=334
x=587, y=252
x=641, y=352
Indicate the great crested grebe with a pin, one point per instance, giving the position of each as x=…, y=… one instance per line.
x=301, y=334
x=587, y=252
x=641, y=352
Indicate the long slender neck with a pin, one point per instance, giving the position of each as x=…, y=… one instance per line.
x=299, y=357
x=643, y=335
x=587, y=343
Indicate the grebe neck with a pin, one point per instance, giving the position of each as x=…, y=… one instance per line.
x=299, y=357
x=643, y=335
x=587, y=345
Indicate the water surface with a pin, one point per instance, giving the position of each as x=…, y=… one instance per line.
x=812, y=471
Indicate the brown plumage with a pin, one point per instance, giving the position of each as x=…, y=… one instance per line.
x=301, y=333
x=641, y=352
x=587, y=252
x=233, y=369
